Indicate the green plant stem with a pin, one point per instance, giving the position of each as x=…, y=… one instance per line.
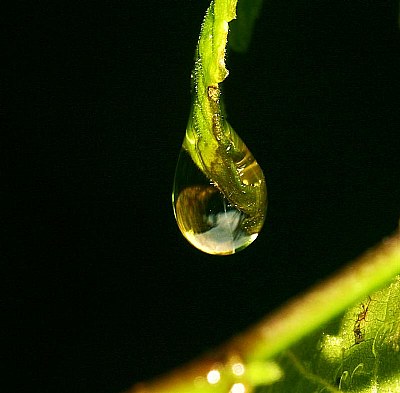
x=299, y=317
x=213, y=145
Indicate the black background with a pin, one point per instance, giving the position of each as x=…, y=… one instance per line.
x=101, y=290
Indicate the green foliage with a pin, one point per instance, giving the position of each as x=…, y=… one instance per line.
x=324, y=341
x=358, y=352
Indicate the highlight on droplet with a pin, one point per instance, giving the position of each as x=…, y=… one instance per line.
x=238, y=388
x=213, y=376
x=238, y=369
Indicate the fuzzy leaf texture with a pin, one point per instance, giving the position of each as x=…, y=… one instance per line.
x=357, y=352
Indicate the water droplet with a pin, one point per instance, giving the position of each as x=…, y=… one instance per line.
x=220, y=214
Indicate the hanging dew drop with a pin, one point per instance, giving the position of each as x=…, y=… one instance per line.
x=207, y=218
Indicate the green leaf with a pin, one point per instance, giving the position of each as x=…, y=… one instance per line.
x=311, y=344
x=358, y=352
